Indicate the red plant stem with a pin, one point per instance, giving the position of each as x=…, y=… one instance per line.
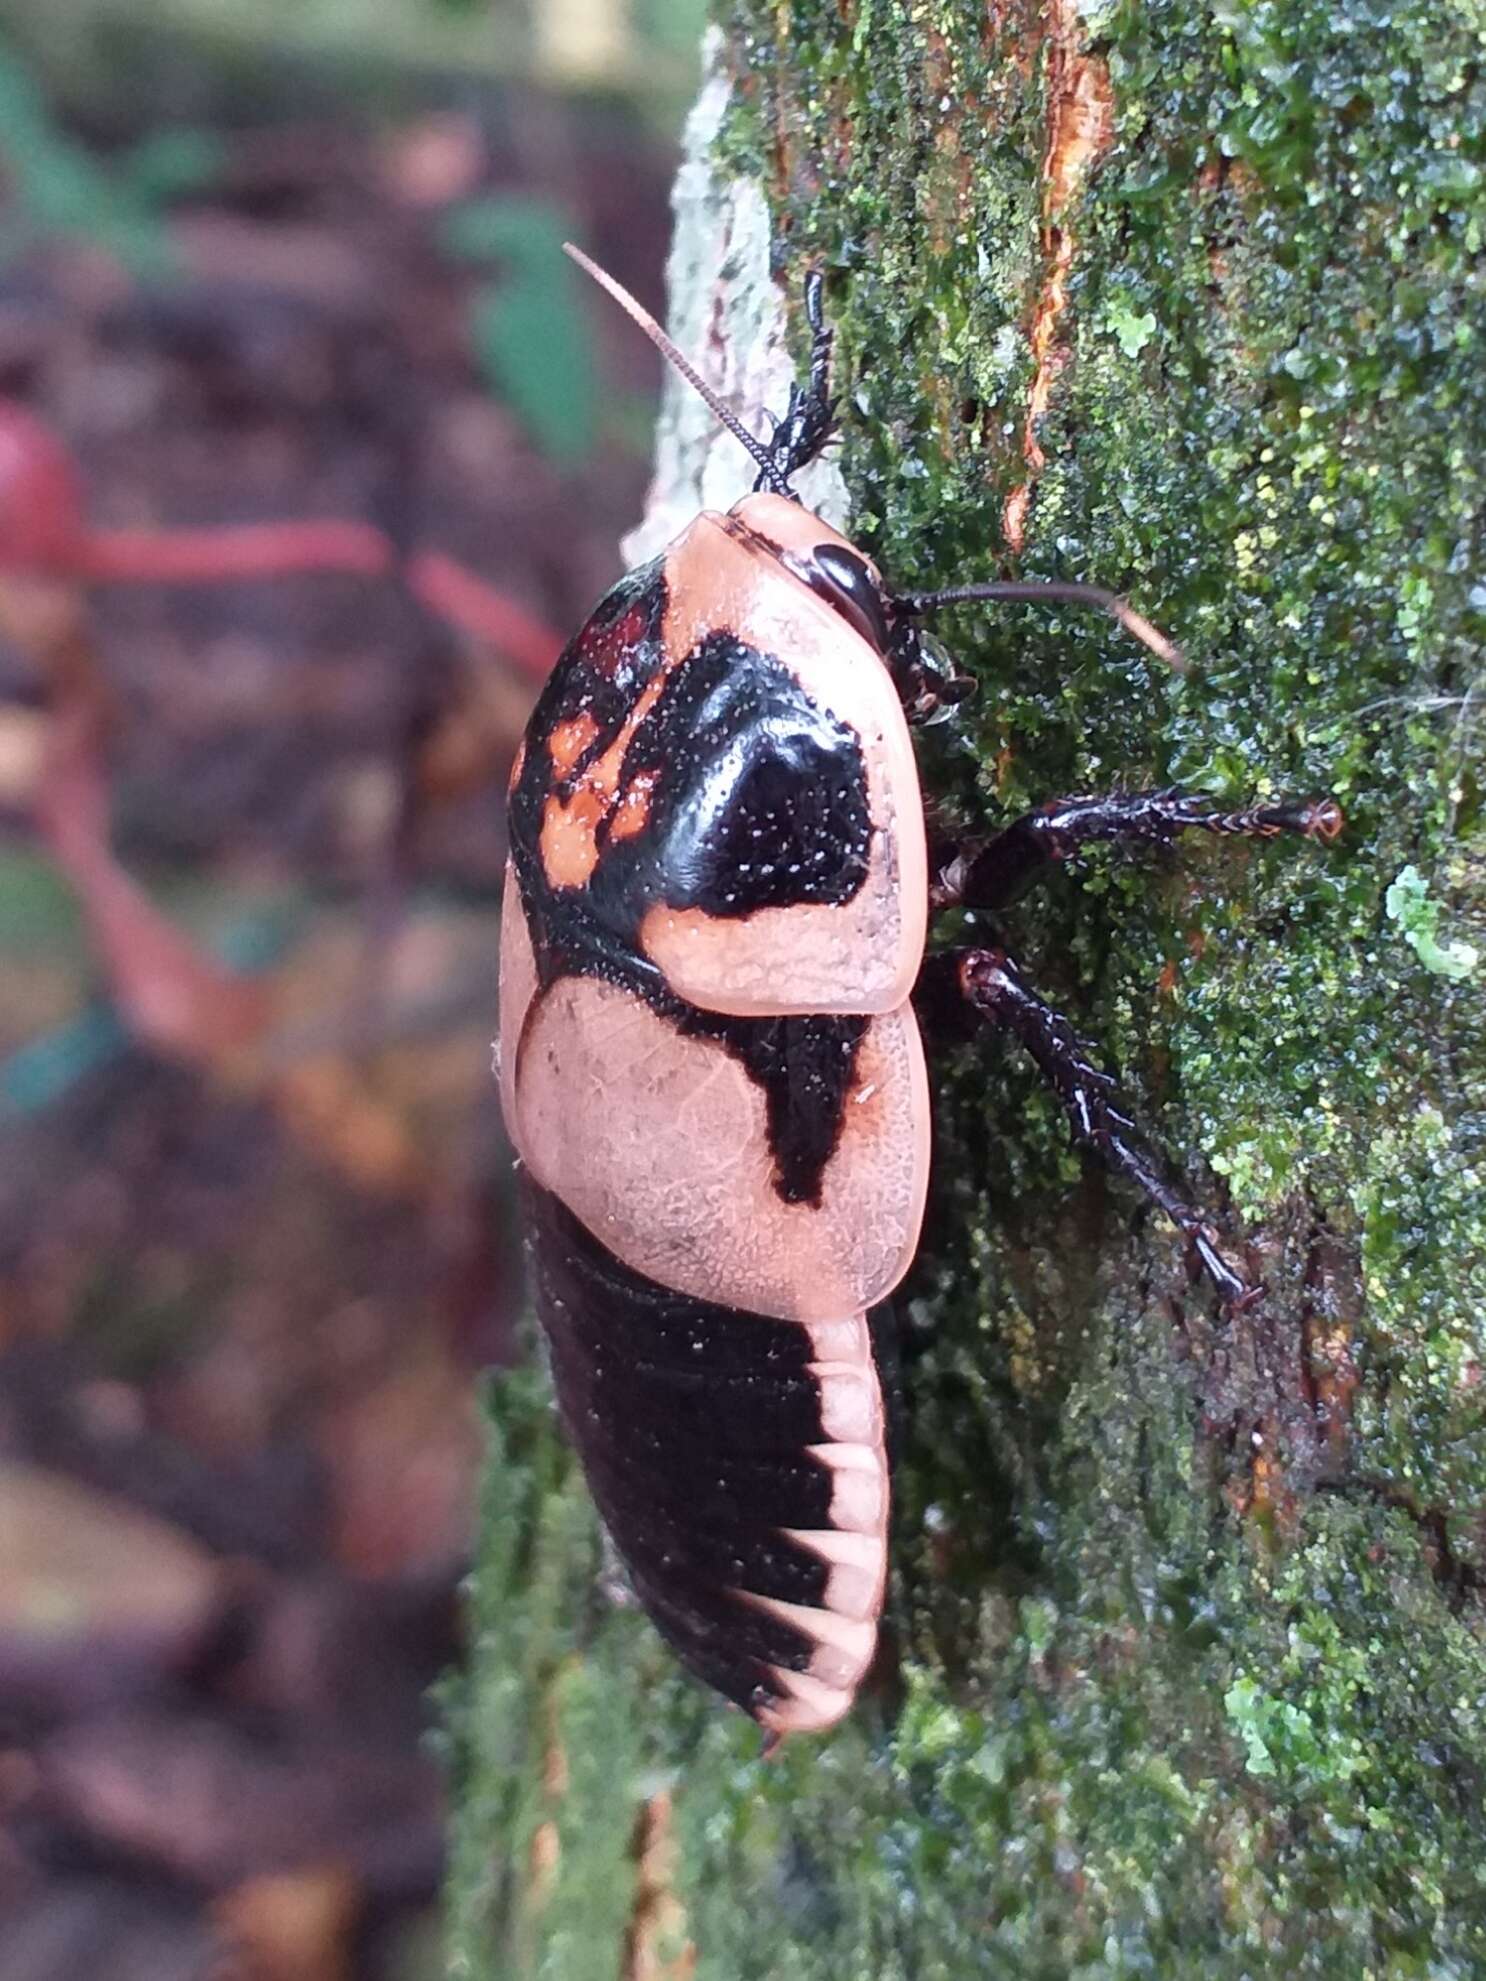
x=477, y=608
x=218, y=556
x=266, y=550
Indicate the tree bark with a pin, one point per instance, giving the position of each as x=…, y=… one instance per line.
x=1189, y=1673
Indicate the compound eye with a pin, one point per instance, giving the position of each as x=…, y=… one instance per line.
x=844, y=581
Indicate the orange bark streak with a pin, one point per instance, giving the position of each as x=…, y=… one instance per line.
x=1080, y=127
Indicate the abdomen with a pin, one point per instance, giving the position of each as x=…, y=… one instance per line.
x=739, y=1464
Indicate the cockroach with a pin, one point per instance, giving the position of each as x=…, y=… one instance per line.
x=713, y=933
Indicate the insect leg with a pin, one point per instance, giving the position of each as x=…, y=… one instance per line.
x=1017, y=857
x=994, y=988
x=810, y=417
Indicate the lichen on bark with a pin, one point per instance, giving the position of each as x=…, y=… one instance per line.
x=1191, y=1669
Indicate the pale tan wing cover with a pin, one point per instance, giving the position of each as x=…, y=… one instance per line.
x=659, y=1144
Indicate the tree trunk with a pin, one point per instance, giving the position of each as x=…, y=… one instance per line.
x=1189, y=1673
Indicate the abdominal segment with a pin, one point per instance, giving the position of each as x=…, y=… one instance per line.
x=739, y=1464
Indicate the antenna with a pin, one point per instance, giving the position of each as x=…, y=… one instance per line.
x=762, y=458
x=1036, y=591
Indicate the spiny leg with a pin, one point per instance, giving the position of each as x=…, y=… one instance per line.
x=809, y=418
x=992, y=985
x=1017, y=856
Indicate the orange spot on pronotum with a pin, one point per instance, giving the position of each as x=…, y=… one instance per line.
x=568, y=741
x=569, y=836
x=634, y=807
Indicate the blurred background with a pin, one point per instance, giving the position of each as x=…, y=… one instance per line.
x=311, y=447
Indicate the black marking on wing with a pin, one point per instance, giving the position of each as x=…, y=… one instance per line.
x=806, y=1067
x=690, y=1420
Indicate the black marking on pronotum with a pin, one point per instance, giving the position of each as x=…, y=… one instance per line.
x=760, y=800
x=607, y=663
x=756, y=797
x=620, y=644
x=760, y=796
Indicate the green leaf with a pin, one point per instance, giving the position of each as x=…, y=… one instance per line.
x=1247, y=1707
x=532, y=346
x=507, y=227
x=528, y=326
x=57, y=187
x=171, y=165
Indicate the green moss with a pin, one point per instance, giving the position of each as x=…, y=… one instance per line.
x=1180, y=1757
x=1407, y=903
x=1191, y=1674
